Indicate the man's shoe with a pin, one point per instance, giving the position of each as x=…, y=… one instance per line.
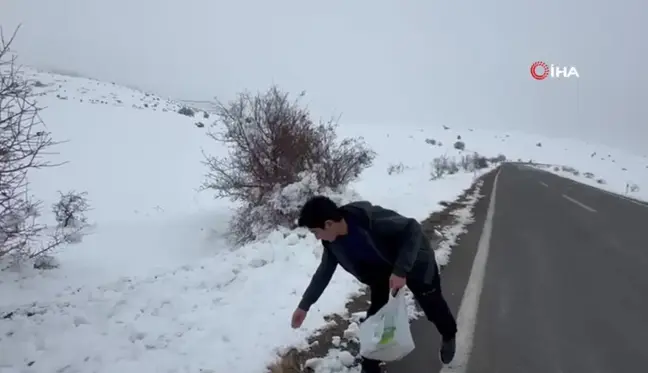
x=447, y=352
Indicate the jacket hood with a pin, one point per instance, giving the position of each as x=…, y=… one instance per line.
x=359, y=211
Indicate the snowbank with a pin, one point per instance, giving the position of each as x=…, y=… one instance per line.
x=228, y=313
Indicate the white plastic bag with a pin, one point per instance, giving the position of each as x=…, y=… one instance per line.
x=386, y=336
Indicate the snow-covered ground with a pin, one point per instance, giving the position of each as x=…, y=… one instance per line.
x=155, y=287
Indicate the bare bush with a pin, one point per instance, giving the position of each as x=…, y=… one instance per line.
x=23, y=143
x=632, y=188
x=570, y=170
x=185, y=110
x=71, y=208
x=466, y=162
x=473, y=162
x=273, y=144
x=443, y=165
x=480, y=162
x=396, y=168
x=46, y=262
x=499, y=159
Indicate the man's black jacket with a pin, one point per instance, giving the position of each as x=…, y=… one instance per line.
x=398, y=240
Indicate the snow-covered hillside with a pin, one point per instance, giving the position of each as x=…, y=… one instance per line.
x=155, y=287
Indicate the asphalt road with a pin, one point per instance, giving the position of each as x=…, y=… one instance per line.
x=565, y=282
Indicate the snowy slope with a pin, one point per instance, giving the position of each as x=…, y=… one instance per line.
x=155, y=288
x=138, y=165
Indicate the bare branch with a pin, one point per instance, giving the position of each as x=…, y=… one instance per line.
x=24, y=141
x=271, y=142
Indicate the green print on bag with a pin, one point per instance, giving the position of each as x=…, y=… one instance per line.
x=388, y=330
x=387, y=335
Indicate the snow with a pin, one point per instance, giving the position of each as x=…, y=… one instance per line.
x=154, y=287
x=186, y=319
x=335, y=361
x=621, y=185
x=463, y=217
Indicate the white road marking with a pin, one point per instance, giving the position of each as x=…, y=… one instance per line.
x=467, y=316
x=543, y=183
x=581, y=204
x=578, y=183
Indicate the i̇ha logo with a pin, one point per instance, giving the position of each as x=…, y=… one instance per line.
x=540, y=71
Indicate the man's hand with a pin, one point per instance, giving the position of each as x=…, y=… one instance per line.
x=298, y=318
x=396, y=282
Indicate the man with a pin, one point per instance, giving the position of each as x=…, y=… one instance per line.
x=383, y=250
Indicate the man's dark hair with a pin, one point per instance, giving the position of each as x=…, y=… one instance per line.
x=318, y=210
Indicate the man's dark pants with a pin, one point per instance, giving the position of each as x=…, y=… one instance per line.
x=429, y=298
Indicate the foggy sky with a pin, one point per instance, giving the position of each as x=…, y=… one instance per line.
x=427, y=63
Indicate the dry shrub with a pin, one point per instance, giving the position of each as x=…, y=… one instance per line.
x=277, y=158
x=397, y=168
x=24, y=142
x=444, y=165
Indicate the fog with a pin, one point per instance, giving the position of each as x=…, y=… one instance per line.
x=408, y=62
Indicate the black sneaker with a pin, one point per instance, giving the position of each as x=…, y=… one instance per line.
x=447, y=352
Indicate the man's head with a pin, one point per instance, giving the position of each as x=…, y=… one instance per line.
x=323, y=218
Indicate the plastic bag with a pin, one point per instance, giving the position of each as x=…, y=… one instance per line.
x=386, y=336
